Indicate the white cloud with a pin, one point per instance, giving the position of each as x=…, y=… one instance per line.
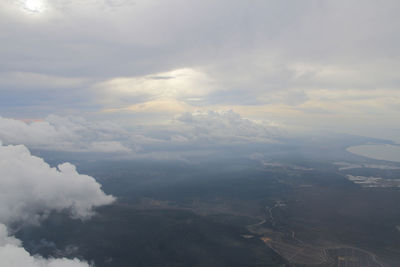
x=64, y=133
x=12, y=254
x=29, y=190
x=223, y=127
x=5, y=239
x=188, y=128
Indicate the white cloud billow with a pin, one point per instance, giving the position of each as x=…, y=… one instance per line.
x=64, y=133
x=30, y=189
x=12, y=254
x=225, y=127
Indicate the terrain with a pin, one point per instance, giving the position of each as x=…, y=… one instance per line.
x=283, y=209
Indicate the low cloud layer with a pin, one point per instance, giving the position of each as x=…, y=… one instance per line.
x=64, y=133
x=186, y=131
x=30, y=189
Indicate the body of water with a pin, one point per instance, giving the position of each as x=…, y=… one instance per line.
x=377, y=151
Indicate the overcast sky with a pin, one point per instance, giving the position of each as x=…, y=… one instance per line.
x=324, y=65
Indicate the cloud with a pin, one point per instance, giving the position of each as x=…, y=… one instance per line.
x=12, y=254
x=202, y=128
x=223, y=127
x=29, y=190
x=65, y=134
x=258, y=58
x=203, y=134
x=108, y=146
x=27, y=81
x=198, y=127
x=185, y=85
x=166, y=106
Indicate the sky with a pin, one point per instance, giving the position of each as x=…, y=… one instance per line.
x=299, y=65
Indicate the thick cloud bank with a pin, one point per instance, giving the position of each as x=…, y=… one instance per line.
x=29, y=190
x=197, y=128
x=29, y=187
x=64, y=133
x=225, y=127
